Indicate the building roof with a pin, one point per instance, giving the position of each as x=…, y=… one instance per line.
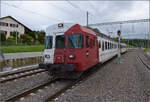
x=16, y=21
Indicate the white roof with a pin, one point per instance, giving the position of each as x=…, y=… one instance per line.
x=55, y=29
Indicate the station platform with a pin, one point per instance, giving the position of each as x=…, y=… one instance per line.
x=21, y=55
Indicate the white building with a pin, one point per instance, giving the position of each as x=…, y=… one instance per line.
x=9, y=24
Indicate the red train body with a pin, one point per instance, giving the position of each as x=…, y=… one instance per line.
x=75, y=49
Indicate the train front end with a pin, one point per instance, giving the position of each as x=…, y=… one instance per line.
x=55, y=53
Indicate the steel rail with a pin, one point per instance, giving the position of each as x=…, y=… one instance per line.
x=27, y=92
x=21, y=76
x=143, y=62
x=21, y=71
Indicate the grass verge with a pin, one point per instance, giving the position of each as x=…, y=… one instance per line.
x=24, y=48
x=146, y=50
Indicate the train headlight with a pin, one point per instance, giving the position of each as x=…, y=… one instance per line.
x=71, y=56
x=47, y=56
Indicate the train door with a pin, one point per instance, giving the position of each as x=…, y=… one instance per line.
x=87, y=51
x=99, y=48
x=59, y=55
x=94, y=49
x=91, y=53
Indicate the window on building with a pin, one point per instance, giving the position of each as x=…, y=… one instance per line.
x=11, y=33
x=5, y=32
x=3, y=24
x=13, y=25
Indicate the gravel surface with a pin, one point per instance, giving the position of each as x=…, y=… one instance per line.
x=148, y=54
x=13, y=87
x=42, y=94
x=125, y=82
x=24, y=68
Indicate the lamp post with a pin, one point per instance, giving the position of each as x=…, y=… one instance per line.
x=0, y=38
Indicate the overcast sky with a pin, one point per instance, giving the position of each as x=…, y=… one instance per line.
x=38, y=15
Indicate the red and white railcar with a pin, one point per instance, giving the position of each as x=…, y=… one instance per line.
x=72, y=49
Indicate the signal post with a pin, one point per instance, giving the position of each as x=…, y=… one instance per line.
x=119, y=55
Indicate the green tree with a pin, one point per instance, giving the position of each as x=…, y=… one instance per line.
x=14, y=33
x=41, y=37
x=3, y=37
x=38, y=36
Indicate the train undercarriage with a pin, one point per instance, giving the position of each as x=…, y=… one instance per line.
x=61, y=71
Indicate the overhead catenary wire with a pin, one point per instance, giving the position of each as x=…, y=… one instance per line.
x=64, y=11
x=32, y=12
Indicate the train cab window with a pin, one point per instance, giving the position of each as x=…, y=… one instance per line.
x=60, y=41
x=75, y=41
x=49, y=42
x=102, y=45
x=87, y=42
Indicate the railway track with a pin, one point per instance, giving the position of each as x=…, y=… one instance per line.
x=42, y=86
x=74, y=83
x=143, y=62
x=19, y=74
x=52, y=96
x=27, y=92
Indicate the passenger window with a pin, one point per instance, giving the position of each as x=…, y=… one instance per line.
x=108, y=45
x=99, y=44
x=87, y=42
x=111, y=45
x=102, y=45
x=93, y=42
x=105, y=45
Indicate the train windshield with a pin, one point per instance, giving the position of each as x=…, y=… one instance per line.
x=75, y=41
x=60, y=41
x=49, y=42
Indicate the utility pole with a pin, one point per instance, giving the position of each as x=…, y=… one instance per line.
x=0, y=17
x=87, y=14
x=16, y=33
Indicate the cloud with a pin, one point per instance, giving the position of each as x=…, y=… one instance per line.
x=40, y=14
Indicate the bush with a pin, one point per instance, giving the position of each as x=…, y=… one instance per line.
x=26, y=39
x=10, y=40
